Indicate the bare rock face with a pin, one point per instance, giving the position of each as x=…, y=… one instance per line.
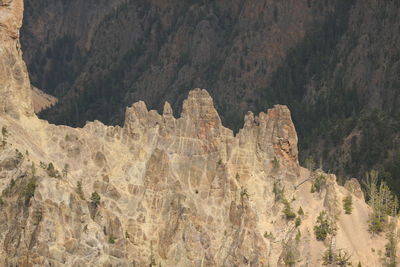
x=14, y=86
x=354, y=187
x=171, y=191
x=163, y=190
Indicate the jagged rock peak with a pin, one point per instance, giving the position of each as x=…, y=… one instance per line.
x=15, y=89
x=199, y=106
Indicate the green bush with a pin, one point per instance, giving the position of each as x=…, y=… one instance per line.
x=278, y=191
x=300, y=212
x=287, y=210
x=79, y=190
x=29, y=191
x=52, y=172
x=318, y=183
x=323, y=227
x=297, y=222
x=348, y=204
x=95, y=198
x=111, y=239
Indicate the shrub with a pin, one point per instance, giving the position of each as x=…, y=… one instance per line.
x=318, y=184
x=341, y=258
x=310, y=163
x=300, y=212
x=52, y=172
x=298, y=236
x=95, y=198
x=278, y=191
x=65, y=170
x=323, y=227
x=290, y=254
x=348, y=204
x=287, y=210
x=268, y=235
x=79, y=190
x=297, y=222
x=275, y=164
x=29, y=191
x=111, y=239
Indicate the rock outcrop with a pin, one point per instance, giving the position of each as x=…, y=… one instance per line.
x=173, y=191
x=14, y=87
x=164, y=191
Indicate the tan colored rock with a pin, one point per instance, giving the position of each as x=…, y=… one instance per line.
x=15, y=86
x=173, y=191
x=354, y=187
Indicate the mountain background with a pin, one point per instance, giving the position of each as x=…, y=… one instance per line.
x=336, y=64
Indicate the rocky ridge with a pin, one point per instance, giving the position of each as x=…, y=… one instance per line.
x=169, y=191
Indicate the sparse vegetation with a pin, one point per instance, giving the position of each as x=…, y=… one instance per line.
x=42, y=165
x=269, y=235
x=65, y=170
x=52, y=172
x=298, y=236
x=95, y=198
x=324, y=227
x=290, y=253
x=275, y=165
x=336, y=258
x=381, y=200
x=348, y=204
x=237, y=177
x=287, y=210
x=278, y=191
x=4, y=133
x=318, y=183
x=19, y=157
x=111, y=239
x=391, y=246
x=33, y=170
x=310, y=164
x=37, y=216
x=29, y=191
x=297, y=222
x=300, y=212
x=79, y=190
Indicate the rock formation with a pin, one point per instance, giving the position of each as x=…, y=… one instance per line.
x=162, y=191
x=14, y=87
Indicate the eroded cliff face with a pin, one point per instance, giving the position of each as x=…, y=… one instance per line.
x=169, y=191
x=14, y=87
x=174, y=191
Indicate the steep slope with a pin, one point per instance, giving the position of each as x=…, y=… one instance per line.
x=41, y=100
x=14, y=87
x=176, y=192
x=165, y=191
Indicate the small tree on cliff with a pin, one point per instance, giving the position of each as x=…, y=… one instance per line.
x=95, y=198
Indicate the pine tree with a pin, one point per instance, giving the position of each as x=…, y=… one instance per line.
x=381, y=200
x=348, y=204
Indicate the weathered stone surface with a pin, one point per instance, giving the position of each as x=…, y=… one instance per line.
x=14, y=87
x=354, y=187
x=173, y=191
